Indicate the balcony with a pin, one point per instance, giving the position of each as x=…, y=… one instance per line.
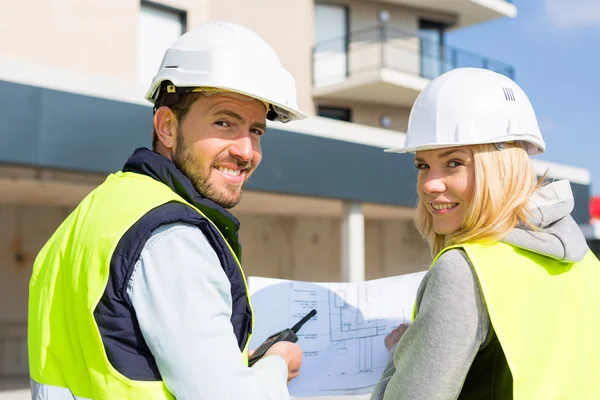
x=386, y=65
x=468, y=12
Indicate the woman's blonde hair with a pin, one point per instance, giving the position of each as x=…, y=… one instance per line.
x=504, y=182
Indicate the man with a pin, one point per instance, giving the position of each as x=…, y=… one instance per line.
x=139, y=293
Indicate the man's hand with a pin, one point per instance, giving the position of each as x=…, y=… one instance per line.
x=291, y=353
x=394, y=336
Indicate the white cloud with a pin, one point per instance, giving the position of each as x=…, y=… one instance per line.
x=573, y=14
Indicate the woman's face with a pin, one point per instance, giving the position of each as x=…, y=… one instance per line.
x=445, y=185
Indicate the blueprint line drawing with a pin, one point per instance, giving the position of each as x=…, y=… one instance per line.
x=365, y=355
x=347, y=323
x=343, y=347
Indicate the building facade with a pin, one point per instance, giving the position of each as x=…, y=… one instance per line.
x=327, y=204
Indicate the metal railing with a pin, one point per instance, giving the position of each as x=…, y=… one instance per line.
x=385, y=46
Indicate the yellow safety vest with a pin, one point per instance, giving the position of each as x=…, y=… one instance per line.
x=69, y=277
x=546, y=315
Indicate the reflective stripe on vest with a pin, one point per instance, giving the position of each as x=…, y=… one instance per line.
x=546, y=314
x=69, y=278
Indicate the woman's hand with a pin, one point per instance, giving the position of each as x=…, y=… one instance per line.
x=394, y=336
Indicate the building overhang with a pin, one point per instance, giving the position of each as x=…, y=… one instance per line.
x=381, y=86
x=468, y=12
x=314, y=158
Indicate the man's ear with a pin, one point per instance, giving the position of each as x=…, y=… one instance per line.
x=165, y=126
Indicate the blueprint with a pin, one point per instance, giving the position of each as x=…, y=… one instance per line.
x=343, y=348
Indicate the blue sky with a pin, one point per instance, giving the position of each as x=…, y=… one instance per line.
x=554, y=46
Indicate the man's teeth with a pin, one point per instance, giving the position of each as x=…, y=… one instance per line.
x=233, y=172
x=443, y=206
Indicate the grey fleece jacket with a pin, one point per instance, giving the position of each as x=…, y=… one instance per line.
x=452, y=324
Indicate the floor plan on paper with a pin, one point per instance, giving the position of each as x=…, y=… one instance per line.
x=343, y=350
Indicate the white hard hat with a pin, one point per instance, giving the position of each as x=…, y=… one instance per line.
x=468, y=106
x=227, y=56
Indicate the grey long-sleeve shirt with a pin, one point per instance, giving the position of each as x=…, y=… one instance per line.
x=434, y=356
x=452, y=324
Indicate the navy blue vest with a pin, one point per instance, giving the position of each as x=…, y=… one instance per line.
x=125, y=346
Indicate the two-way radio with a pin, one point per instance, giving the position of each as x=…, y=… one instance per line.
x=286, y=335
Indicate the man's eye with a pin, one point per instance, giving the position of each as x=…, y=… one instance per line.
x=224, y=124
x=421, y=166
x=257, y=132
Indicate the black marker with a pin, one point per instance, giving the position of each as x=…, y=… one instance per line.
x=286, y=335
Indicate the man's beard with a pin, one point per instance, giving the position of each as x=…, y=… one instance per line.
x=184, y=159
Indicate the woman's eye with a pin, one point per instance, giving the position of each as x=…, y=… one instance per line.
x=455, y=163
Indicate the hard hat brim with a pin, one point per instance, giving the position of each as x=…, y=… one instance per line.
x=294, y=113
x=534, y=147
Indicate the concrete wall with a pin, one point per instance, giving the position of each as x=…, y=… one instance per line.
x=86, y=36
x=23, y=231
x=73, y=35
x=308, y=248
x=394, y=248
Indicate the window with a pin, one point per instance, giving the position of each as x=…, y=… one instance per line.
x=158, y=27
x=431, y=35
x=331, y=44
x=339, y=113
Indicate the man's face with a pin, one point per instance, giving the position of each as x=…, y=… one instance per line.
x=218, y=145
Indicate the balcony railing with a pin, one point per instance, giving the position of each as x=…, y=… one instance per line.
x=386, y=47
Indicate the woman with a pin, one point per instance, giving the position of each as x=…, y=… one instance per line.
x=510, y=306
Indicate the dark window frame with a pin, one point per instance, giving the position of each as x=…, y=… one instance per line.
x=182, y=13
x=346, y=111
